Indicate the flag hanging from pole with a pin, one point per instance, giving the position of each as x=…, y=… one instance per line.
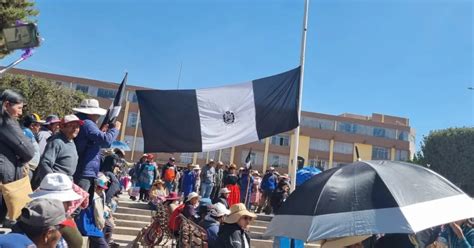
x=216, y=118
x=248, y=160
x=114, y=109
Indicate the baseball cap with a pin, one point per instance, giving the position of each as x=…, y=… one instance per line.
x=43, y=213
x=51, y=119
x=219, y=210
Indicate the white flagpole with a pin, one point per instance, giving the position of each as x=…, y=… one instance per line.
x=297, y=130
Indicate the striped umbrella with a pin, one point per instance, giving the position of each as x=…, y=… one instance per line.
x=370, y=197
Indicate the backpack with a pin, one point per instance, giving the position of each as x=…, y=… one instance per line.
x=169, y=175
x=175, y=220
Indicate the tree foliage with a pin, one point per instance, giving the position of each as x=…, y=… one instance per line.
x=15, y=10
x=42, y=96
x=450, y=152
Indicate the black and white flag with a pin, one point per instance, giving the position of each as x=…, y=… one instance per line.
x=114, y=109
x=216, y=118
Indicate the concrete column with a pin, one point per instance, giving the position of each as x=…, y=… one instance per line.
x=331, y=153
x=195, y=157
x=265, y=154
x=232, y=153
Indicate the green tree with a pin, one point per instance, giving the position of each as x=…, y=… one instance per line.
x=450, y=152
x=43, y=97
x=15, y=10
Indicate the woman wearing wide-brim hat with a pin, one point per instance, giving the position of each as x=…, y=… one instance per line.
x=233, y=234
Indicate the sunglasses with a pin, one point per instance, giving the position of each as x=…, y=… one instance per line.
x=247, y=218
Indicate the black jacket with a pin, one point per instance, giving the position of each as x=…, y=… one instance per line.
x=223, y=201
x=15, y=150
x=232, y=236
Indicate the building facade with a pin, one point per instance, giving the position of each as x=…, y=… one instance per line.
x=325, y=140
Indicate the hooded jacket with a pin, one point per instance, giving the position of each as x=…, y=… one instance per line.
x=212, y=228
x=232, y=236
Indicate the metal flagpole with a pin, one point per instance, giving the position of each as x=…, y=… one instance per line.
x=135, y=135
x=297, y=130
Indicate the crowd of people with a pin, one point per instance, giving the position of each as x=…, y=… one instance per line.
x=215, y=181
x=63, y=161
x=76, y=180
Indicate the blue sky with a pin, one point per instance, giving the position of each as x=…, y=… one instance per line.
x=410, y=58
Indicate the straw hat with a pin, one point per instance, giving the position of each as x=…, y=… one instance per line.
x=343, y=242
x=90, y=107
x=196, y=167
x=236, y=212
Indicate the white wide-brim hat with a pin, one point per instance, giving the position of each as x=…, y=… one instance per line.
x=90, y=107
x=56, y=186
x=64, y=196
x=192, y=195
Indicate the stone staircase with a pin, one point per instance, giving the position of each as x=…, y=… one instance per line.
x=132, y=216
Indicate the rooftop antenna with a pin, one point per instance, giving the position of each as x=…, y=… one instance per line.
x=179, y=74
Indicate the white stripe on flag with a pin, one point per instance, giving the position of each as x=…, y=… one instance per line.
x=239, y=126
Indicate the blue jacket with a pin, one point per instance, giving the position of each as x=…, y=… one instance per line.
x=89, y=141
x=269, y=182
x=189, y=182
x=212, y=227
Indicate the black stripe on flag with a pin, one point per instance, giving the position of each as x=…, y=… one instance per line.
x=276, y=103
x=170, y=120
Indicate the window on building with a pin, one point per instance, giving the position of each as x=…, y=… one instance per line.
x=280, y=140
x=277, y=160
x=401, y=155
x=319, y=145
x=106, y=93
x=225, y=156
x=132, y=96
x=317, y=123
x=321, y=164
x=379, y=132
x=342, y=147
x=138, y=144
x=255, y=157
x=186, y=157
x=403, y=135
x=202, y=155
x=83, y=88
x=380, y=153
x=132, y=119
x=214, y=155
x=346, y=127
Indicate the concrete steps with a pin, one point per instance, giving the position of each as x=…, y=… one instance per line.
x=132, y=216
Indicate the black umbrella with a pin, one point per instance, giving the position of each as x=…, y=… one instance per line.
x=370, y=197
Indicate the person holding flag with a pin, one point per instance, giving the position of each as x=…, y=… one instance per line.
x=89, y=141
